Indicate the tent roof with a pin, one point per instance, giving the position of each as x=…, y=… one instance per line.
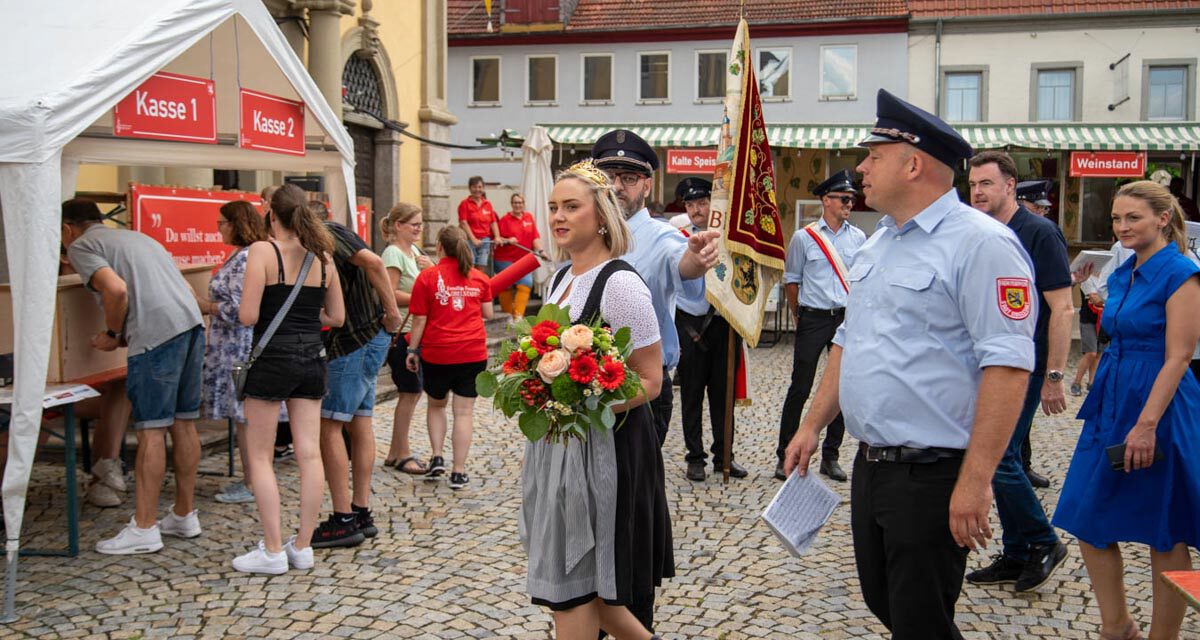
x=71, y=62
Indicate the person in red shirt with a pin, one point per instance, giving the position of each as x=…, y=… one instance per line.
x=517, y=229
x=477, y=219
x=448, y=344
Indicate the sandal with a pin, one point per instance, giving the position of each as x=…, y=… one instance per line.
x=401, y=465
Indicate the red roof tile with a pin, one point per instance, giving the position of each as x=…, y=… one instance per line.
x=960, y=8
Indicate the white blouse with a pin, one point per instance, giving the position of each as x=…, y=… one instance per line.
x=626, y=302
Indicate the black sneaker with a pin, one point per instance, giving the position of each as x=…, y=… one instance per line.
x=366, y=524
x=334, y=533
x=437, y=468
x=1003, y=570
x=458, y=480
x=1042, y=563
x=285, y=453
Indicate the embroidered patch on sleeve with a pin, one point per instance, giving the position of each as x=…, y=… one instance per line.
x=1012, y=294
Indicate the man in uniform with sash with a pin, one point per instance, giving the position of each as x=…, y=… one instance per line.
x=816, y=287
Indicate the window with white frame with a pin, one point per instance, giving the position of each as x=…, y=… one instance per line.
x=710, y=75
x=541, y=79
x=774, y=73
x=597, y=78
x=839, y=72
x=485, y=80
x=654, y=81
x=1166, y=96
x=964, y=97
x=1055, y=95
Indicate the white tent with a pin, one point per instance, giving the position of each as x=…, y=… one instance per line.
x=66, y=64
x=536, y=183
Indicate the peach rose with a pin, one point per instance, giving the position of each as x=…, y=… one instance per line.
x=577, y=337
x=553, y=364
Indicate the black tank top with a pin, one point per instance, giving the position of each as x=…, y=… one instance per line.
x=305, y=314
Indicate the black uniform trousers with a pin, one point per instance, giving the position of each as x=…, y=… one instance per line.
x=703, y=363
x=660, y=407
x=814, y=334
x=909, y=567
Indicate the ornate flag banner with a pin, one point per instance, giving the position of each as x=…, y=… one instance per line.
x=743, y=209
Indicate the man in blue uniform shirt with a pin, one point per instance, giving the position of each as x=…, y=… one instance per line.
x=1034, y=195
x=938, y=339
x=815, y=284
x=1032, y=551
x=703, y=351
x=660, y=254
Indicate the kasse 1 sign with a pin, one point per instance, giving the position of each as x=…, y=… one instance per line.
x=271, y=123
x=168, y=106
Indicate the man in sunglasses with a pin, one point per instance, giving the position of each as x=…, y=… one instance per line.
x=816, y=287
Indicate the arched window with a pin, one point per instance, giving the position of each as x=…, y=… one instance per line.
x=362, y=86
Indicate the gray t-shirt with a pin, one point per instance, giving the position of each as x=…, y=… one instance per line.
x=161, y=305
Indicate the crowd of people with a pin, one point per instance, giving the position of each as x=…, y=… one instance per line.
x=929, y=328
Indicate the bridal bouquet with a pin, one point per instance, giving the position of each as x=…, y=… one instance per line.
x=559, y=378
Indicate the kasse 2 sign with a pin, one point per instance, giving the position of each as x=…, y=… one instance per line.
x=168, y=106
x=271, y=123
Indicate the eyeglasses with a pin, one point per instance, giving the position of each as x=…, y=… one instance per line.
x=416, y=225
x=222, y=221
x=627, y=179
x=846, y=200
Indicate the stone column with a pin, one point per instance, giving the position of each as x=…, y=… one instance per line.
x=325, y=46
x=291, y=26
x=435, y=122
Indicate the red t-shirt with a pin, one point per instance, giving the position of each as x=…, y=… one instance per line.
x=454, y=332
x=524, y=229
x=479, y=217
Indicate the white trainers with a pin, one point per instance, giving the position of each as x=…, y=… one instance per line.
x=235, y=493
x=102, y=495
x=132, y=540
x=299, y=559
x=180, y=526
x=108, y=472
x=259, y=560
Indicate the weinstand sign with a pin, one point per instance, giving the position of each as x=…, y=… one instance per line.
x=1108, y=164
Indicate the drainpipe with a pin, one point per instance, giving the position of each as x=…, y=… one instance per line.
x=937, y=69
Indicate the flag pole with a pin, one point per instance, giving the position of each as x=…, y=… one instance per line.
x=730, y=375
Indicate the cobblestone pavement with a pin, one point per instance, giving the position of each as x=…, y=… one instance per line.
x=449, y=565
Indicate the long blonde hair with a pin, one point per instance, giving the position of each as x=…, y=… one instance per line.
x=1160, y=201
x=615, y=231
x=402, y=212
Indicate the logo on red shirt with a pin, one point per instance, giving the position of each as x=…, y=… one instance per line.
x=1013, y=297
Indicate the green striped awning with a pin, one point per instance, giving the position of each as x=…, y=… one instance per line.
x=1141, y=136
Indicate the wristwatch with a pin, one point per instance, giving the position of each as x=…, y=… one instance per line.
x=1054, y=375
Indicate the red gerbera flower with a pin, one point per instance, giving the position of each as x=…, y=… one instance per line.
x=612, y=374
x=583, y=367
x=516, y=363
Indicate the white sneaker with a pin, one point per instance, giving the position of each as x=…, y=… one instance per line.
x=102, y=495
x=298, y=558
x=108, y=472
x=235, y=493
x=259, y=560
x=132, y=540
x=180, y=526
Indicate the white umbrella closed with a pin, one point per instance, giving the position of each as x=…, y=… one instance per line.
x=536, y=182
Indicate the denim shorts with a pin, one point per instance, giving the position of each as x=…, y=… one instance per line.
x=406, y=381
x=164, y=383
x=352, y=378
x=526, y=281
x=483, y=252
x=291, y=366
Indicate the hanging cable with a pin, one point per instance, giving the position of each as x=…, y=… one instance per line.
x=237, y=54
x=399, y=128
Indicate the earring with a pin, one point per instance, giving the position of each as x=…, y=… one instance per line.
x=603, y=231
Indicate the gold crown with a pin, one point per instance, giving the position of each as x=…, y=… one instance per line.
x=587, y=170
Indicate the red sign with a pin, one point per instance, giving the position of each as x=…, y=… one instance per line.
x=184, y=220
x=362, y=222
x=169, y=106
x=271, y=123
x=1108, y=164
x=700, y=161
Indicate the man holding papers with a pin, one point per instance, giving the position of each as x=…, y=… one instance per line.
x=937, y=341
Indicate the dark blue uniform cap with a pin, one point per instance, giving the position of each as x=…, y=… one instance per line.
x=1035, y=191
x=693, y=189
x=840, y=182
x=622, y=149
x=899, y=121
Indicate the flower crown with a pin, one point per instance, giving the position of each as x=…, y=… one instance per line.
x=587, y=170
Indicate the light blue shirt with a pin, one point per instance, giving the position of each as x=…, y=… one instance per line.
x=691, y=296
x=807, y=266
x=657, y=249
x=931, y=304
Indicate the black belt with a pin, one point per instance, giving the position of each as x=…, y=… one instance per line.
x=825, y=312
x=907, y=455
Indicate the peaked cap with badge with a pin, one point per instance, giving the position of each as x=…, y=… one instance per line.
x=693, y=189
x=840, y=182
x=899, y=121
x=622, y=149
x=1035, y=191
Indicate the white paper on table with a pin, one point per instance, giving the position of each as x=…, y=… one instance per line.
x=56, y=394
x=1193, y=239
x=798, y=511
x=1095, y=257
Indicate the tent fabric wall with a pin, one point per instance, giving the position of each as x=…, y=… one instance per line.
x=536, y=183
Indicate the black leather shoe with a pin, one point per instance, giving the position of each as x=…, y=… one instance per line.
x=1036, y=479
x=735, y=470
x=1002, y=570
x=832, y=469
x=1042, y=563
x=695, y=471
x=779, y=475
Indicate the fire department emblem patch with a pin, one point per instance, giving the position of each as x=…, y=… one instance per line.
x=1012, y=294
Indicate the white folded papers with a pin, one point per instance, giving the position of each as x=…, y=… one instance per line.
x=799, y=510
x=1097, y=258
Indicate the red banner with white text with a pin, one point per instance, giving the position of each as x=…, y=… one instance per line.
x=169, y=106
x=184, y=220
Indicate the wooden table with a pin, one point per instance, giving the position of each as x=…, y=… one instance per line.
x=1187, y=583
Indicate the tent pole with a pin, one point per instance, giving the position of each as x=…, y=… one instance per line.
x=10, y=589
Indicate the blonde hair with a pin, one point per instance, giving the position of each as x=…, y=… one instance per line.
x=616, y=234
x=400, y=213
x=1160, y=201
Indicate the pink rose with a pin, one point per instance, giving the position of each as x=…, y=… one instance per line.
x=577, y=337
x=553, y=364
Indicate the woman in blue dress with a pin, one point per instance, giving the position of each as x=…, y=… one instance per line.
x=1146, y=398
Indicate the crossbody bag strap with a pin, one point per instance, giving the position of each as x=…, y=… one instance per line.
x=287, y=305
